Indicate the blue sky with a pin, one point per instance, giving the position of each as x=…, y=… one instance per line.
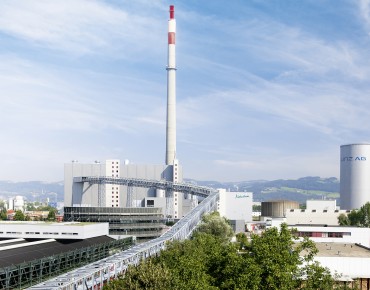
x=265, y=89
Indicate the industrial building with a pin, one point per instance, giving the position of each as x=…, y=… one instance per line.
x=313, y=216
x=345, y=251
x=143, y=223
x=317, y=212
x=354, y=175
x=235, y=205
x=31, y=252
x=277, y=208
x=109, y=195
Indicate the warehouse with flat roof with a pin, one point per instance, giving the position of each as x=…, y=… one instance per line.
x=32, y=252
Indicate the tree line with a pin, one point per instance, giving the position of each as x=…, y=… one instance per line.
x=357, y=217
x=209, y=261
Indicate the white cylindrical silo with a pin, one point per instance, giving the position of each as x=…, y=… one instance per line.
x=354, y=175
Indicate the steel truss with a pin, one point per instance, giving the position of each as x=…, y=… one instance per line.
x=186, y=188
x=33, y=272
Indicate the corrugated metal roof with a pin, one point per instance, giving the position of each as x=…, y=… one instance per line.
x=27, y=254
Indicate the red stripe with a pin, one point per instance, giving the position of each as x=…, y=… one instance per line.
x=171, y=37
x=172, y=12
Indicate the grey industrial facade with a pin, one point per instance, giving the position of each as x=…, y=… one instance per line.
x=77, y=194
x=144, y=222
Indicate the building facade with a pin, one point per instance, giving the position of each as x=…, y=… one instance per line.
x=235, y=205
x=78, y=194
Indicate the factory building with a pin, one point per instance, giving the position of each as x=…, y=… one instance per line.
x=119, y=204
x=354, y=175
x=314, y=216
x=31, y=252
x=277, y=208
x=236, y=207
x=317, y=212
x=109, y=195
x=143, y=223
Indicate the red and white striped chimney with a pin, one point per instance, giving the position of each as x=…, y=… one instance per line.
x=171, y=90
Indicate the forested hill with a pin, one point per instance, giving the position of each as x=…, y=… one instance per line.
x=299, y=189
x=296, y=189
x=32, y=190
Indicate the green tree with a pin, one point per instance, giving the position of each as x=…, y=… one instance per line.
x=242, y=239
x=216, y=225
x=30, y=207
x=343, y=220
x=358, y=218
x=3, y=214
x=274, y=260
x=147, y=276
x=256, y=207
x=51, y=215
x=2, y=205
x=19, y=216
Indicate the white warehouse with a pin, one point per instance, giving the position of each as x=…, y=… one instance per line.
x=236, y=205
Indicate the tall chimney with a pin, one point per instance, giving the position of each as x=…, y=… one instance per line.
x=171, y=90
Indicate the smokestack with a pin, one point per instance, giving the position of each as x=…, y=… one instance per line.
x=171, y=90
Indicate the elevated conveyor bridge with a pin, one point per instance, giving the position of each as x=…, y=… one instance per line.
x=93, y=276
x=186, y=188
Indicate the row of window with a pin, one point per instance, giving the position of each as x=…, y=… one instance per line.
x=323, y=234
x=37, y=233
x=314, y=210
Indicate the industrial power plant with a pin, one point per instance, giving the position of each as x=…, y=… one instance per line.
x=118, y=213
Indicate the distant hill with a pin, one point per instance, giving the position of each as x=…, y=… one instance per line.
x=33, y=190
x=298, y=189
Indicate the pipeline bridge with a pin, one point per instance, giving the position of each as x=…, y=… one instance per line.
x=169, y=187
x=95, y=275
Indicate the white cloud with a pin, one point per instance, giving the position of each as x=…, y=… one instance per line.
x=77, y=26
x=364, y=6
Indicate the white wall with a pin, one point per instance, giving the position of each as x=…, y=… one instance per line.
x=352, y=267
x=236, y=205
x=313, y=216
x=321, y=204
x=352, y=235
x=42, y=230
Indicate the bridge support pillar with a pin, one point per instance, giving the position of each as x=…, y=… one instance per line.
x=169, y=203
x=130, y=195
